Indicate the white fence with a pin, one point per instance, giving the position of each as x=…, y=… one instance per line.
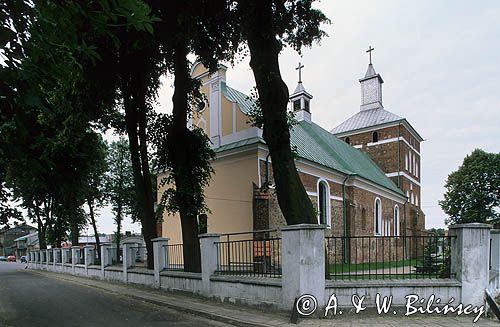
x=302, y=271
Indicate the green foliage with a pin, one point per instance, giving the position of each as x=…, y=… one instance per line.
x=119, y=184
x=197, y=169
x=256, y=117
x=473, y=191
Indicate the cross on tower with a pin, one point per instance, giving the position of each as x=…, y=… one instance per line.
x=300, y=71
x=370, y=49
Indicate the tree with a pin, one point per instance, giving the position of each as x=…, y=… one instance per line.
x=473, y=191
x=268, y=26
x=202, y=28
x=120, y=190
x=94, y=192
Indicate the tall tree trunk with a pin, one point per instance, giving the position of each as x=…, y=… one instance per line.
x=41, y=228
x=118, y=236
x=181, y=162
x=134, y=100
x=264, y=48
x=94, y=226
x=74, y=226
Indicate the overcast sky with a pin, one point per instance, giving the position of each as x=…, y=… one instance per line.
x=441, y=68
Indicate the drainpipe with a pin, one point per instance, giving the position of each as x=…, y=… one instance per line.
x=266, y=183
x=345, y=214
x=399, y=154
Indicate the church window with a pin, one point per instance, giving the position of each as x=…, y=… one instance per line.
x=347, y=140
x=413, y=164
x=306, y=105
x=296, y=105
x=375, y=137
x=378, y=217
x=396, y=221
x=323, y=201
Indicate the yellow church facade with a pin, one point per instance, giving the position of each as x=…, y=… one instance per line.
x=352, y=194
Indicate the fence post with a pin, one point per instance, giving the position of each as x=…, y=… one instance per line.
x=106, y=259
x=470, y=251
x=64, y=257
x=127, y=259
x=159, y=257
x=208, y=249
x=88, y=256
x=74, y=257
x=303, y=259
x=47, y=257
x=495, y=249
x=54, y=258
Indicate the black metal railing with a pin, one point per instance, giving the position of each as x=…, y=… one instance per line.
x=174, y=258
x=388, y=257
x=139, y=256
x=115, y=256
x=69, y=256
x=253, y=254
x=58, y=257
x=96, y=257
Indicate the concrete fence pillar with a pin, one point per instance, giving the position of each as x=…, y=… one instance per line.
x=64, y=256
x=127, y=259
x=160, y=260
x=55, y=256
x=75, y=256
x=303, y=263
x=495, y=249
x=47, y=258
x=208, y=247
x=106, y=258
x=470, y=250
x=88, y=255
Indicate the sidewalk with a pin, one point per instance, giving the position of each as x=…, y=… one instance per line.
x=251, y=317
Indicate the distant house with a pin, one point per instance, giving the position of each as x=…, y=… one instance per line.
x=9, y=235
x=91, y=240
x=26, y=243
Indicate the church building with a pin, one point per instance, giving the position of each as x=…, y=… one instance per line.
x=363, y=176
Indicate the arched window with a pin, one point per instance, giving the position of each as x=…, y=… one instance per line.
x=375, y=137
x=378, y=217
x=396, y=220
x=323, y=203
x=347, y=140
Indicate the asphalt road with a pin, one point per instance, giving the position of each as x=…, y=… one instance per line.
x=28, y=299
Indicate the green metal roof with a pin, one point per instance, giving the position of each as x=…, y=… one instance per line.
x=238, y=144
x=245, y=102
x=316, y=144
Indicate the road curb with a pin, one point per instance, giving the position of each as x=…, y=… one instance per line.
x=198, y=312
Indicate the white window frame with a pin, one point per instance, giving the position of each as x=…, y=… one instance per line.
x=406, y=162
x=377, y=219
x=327, y=198
x=396, y=220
